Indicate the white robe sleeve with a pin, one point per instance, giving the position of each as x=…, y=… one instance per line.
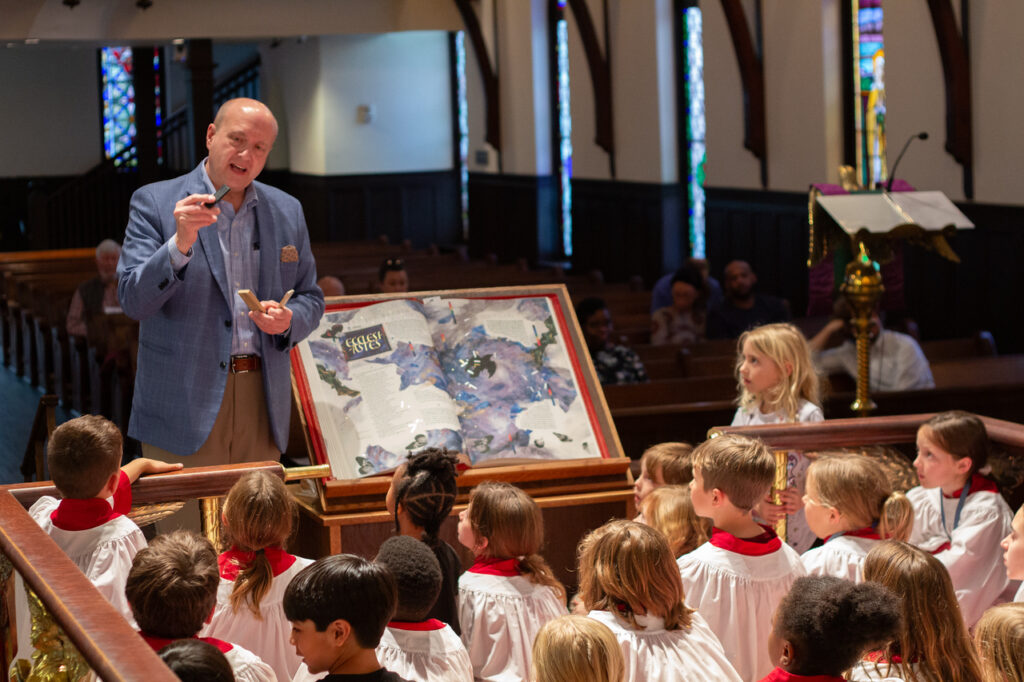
x=425, y=656
x=841, y=557
x=500, y=617
x=248, y=667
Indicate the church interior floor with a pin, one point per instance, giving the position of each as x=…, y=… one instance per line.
x=19, y=401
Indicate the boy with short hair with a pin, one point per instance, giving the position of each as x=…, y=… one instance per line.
x=89, y=522
x=414, y=646
x=737, y=578
x=172, y=590
x=339, y=607
x=660, y=465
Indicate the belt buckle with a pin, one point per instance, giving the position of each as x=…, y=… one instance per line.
x=246, y=359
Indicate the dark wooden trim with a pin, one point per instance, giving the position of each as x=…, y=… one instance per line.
x=492, y=100
x=752, y=77
x=200, y=94
x=109, y=645
x=848, y=62
x=144, y=80
x=956, y=73
x=600, y=78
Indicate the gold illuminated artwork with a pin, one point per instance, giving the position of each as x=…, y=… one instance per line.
x=55, y=658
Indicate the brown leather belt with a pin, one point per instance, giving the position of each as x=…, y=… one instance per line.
x=240, y=364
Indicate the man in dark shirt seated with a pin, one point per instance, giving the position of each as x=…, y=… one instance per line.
x=743, y=309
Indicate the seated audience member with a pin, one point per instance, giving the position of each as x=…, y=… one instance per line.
x=89, y=522
x=172, y=590
x=932, y=642
x=331, y=286
x=742, y=308
x=959, y=515
x=896, y=363
x=339, y=607
x=629, y=582
x=414, y=645
x=392, y=276
x=93, y=298
x=661, y=293
x=825, y=624
x=576, y=649
x=738, y=577
x=614, y=363
x=999, y=640
x=193, y=660
x=683, y=322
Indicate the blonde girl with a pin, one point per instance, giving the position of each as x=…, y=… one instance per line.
x=850, y=504
x=669, y=510
x=933, y=644
x=629, y=581
x=576, y=649
x=999, y=639
x=777, y=384
x=510, y=591
x=258, y=517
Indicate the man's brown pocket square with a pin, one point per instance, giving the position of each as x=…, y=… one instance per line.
x=289, y=254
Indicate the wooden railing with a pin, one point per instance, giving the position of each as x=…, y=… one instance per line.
x=108, y=645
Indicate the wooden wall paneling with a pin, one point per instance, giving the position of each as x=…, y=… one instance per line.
x=513, y=216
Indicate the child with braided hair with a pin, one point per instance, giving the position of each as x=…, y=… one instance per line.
x=258, y=517
x=420, y=498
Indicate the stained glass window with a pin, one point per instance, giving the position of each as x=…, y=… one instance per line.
x=696, y=151
x=564, y=127
x=118, y=102
x=463, y=115
x=870, y=91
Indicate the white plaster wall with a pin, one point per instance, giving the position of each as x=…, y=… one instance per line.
x=291, y=81
x=50, y=120
x=588, y=160
x=803, y=115
x=728, y=163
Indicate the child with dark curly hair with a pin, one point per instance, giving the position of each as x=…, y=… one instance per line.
x=824, y=625
x=420, y=498
x=414, y=645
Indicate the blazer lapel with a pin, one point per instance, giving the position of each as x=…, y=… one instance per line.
x=270, y=253
x=211, y=247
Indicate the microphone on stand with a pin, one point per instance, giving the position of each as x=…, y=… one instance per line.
x=923, y=135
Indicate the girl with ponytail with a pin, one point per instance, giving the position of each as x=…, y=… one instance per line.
x=420, y=498
x=510, y=592
x=258, y=516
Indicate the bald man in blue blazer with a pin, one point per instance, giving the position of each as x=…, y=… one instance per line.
x=213, y=383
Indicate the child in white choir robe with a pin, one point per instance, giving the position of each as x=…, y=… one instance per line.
x=509, y=592
x=824, y=625
x=932, y=643
x=660, y=465
x=850, y=505
x=669, y=510
x=89, y=522
x=193, y=660
x=999, y=639
x=172, y=590
x=629, y=581
x=258, y=517
x=413, y=645
x=1013, y=552
x=959, y=514
x=778, y=384
x=339, y=607
x=737, y=578
x=420, y=498
x=576, y=649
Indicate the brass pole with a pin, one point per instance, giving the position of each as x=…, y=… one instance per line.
x=781, y=483
x=863, y=288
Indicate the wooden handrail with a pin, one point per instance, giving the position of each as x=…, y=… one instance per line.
x=106, y=641
x=838, y=433
x=187, y=484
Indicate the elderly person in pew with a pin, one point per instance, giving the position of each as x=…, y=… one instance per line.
x=897, y=362
x=98, y=296
x=614, y=363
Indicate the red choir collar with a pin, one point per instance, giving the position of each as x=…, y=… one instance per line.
x=780, y=675
x=504, y=567
x=979, y=484
x=422, y=626
x=867, y=532
x=73, y=514
x=233, y=561
x=765, y=543
x=158, y=643
x=879, y=657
